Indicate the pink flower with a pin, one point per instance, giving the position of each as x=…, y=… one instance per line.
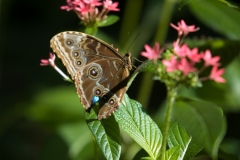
x=93, y=2
x=209, y=60
x=50, y=61
x=84, y=8
x=152, y=53
x=193, y=55
x=180, y=51
x=182, y=28
x=110, y=6
x=77, y=2
x=185, y=66
x=171, y=65
x=70, y=5
x=91, y=11
x=216, y=74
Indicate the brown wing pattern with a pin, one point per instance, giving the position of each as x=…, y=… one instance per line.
x=77, y=49
x=101, y=78
x=97, y=68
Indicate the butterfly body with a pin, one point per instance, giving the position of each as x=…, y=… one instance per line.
x=99, y=71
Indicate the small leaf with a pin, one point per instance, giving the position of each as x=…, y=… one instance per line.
x=91, y=30
x=139, y=126
x=172, y=153
x=111, y=19
x=147, y=66
x=204, y=121
x=179, y=137
x=106, y=133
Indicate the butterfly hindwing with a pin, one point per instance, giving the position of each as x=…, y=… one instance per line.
x=104, y=80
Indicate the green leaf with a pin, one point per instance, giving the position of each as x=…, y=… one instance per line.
x=91, y=30
x=111, y=19
x=106, y=133
x=218, y=16
x=147, y=66
x=179, y=137
x=184, y=2
x=172, y=153
x=204, y=121
x=228, y=4
x=139, y=126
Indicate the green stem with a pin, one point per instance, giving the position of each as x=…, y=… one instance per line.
x=172, y=92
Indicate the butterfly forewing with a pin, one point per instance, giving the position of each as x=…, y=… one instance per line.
x=97, y=68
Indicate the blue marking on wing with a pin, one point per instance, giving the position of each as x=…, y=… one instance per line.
x=95, y=99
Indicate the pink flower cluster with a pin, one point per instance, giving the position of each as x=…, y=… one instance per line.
x=184, y=59
x=87, y=10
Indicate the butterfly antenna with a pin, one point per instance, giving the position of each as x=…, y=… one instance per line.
x=129, y=48
x=137, y=59
x=133, y=41
x=134, y=67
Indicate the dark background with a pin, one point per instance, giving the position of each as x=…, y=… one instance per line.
x=26, y=28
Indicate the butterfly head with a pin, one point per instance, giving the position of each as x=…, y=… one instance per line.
x=128, y=60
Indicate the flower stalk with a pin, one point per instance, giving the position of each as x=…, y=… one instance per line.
x=181, y=66
x=171, y=96
x=51, y=62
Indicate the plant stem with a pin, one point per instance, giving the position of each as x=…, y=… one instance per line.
x=172, y=92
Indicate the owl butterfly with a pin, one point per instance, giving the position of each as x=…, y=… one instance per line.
x=99, y=71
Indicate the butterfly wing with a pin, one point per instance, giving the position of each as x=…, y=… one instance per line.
x=98, y=69
x=105, y=79
x=77, y=49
